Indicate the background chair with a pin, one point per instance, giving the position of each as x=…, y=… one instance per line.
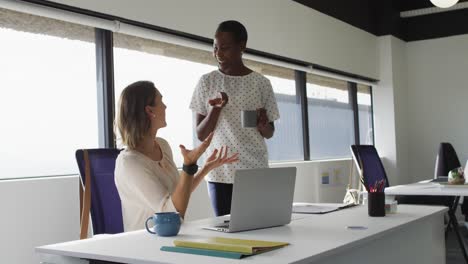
x=98, y=193
x=446, y=160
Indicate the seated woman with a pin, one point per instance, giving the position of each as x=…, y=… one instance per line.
x=146, y=176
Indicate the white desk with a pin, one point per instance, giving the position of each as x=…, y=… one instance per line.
x=426, y=188
x=413, y=235
x=436, y=189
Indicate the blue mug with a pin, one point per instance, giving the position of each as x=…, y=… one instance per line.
x=165, y=224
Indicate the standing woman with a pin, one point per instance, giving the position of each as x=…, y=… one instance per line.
x=146, y=177
x=218, y=100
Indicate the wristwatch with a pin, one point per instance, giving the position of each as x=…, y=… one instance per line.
x=190, y=169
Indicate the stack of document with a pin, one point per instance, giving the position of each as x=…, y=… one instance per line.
x=223, y=247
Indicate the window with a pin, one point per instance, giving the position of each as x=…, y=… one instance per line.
x=331, y=125
x=48, y=96
x=175, y=71
x=287, y=142
x=364, y=100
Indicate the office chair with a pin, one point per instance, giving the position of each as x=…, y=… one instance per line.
x=446, y=160
x=98, y=192
x=369, y=164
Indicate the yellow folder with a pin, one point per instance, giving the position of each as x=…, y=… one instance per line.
x=244, y=246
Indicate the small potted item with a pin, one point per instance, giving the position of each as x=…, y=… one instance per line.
x=456, y=176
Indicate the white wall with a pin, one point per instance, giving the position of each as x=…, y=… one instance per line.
x=390, y=110
x=384, y=112
x=44, y=211
x=401, y=108
x=35, y=212
x=420, y=101
x=438, y=100
x=276, y=26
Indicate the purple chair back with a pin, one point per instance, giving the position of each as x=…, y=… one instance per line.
x=372, y=167
x=106, y=209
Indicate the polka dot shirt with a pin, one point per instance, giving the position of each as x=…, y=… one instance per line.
x=247, y=92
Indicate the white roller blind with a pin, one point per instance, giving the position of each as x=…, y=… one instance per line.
x=118, y=27
x=38, y=10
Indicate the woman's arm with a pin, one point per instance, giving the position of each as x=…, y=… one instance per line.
x=181, y=195
x=206, y=124
x=187, y=183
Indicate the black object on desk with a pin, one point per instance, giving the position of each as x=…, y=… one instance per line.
x=376, y=203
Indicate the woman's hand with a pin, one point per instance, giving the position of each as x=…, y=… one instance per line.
x=218, y=158
x=220, y=101
x=191, y=156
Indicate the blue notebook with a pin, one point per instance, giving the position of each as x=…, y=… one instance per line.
x=204, y=252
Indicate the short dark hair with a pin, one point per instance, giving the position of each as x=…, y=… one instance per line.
x=235, y=27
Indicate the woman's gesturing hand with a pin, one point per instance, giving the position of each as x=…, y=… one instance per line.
x=191, y=156
x=220, y=101
x=218, y=158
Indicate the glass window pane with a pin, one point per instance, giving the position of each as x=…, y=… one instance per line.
x=138, y=59
x=366, y=133
x=48, y=96
x=287, y=142
x=331, y=126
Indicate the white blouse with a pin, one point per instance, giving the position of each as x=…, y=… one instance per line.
x=145, y=186
x=247, y=92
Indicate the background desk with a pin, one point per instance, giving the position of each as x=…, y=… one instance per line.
x=413, y=235
x=426, y=188
x=435, y=189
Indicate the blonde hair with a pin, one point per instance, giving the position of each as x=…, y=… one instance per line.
x=132, y=121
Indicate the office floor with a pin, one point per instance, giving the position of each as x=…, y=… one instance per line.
x=453, y=252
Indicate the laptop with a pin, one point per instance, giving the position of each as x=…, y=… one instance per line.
x=261, y=198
